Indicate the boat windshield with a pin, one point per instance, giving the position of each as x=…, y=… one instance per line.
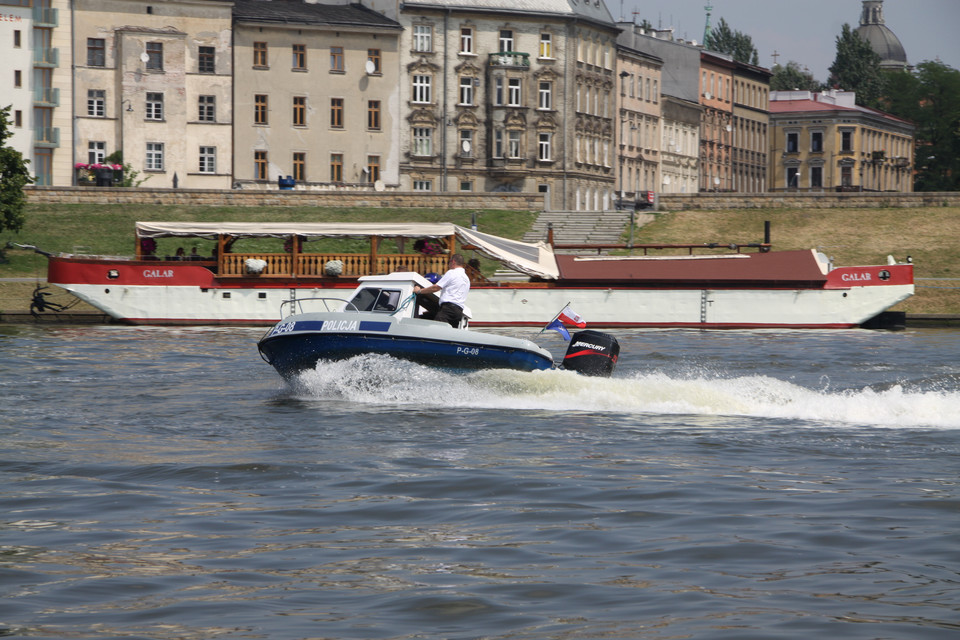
x=375, y=299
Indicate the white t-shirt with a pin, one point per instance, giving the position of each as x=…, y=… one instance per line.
x=454, y=286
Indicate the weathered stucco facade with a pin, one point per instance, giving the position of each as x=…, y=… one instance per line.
x=154, y=82
x=316, y=96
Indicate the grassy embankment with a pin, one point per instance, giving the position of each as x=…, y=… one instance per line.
x=849, y=236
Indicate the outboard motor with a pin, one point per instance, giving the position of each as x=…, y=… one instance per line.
x=592, y=353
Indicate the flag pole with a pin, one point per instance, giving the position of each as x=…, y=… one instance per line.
x=555, y=316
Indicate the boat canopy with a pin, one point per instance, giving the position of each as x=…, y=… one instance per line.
x=211, y=230
x=534, y=259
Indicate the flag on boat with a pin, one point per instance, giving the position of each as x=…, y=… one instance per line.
x=569, y=316
x=557, y=326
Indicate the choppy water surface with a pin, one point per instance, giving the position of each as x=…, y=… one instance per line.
x=164, y=483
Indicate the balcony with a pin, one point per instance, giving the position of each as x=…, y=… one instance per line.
x=46, y=57
x=510, y=60
x=48, y=137
x=44, y=17
x=46, y=97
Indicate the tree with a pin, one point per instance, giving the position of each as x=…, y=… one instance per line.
x=857, y=68
x=739, y=45
x=792, y=78
x=930, y=98
x=13, y=178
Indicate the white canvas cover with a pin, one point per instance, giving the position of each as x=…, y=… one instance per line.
x=211, y=230
x=532, y=259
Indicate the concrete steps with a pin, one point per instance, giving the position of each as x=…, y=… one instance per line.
x=577, y=227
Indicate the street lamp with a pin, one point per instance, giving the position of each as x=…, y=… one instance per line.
x=129, y=109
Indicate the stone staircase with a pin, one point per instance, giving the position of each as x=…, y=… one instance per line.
x=581, y=227
x=578, y=227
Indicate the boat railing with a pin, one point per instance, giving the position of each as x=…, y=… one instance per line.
x=290, y=307
x=689, y=248
x=285, y=265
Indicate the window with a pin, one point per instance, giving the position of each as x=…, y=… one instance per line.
x=206, y=60
x=373, y=56
x=373, y=168
x=543, y=147
x=466, y=143
x=422, y=37
x=513, y=92
x=259, y=109
x=498, y=143
x=336, y=113
x=96, y=103
x=793, y=142
x=846, y=176
x=816, y=177
x=18, y=118
x=422, y=141
x=373, y=115
x=96, y=52
x=154, y=156
x=422, y=185
x=846, y=140
x=466, y=40
x=259, y=165
x=466, y=185
x=96, y=151
x=154, y=106
x=545, y=99
x=336, y=59
x=421, y=88
x=299, y=111
x=260, y=54
x=299, y=166
x=207, y=108
x=299, y=61
x=17, y=78
x=498, y=91
x=506, y=40
x=546, y=45
x=16, y=38
x=793, y=177
x=336, y=167
x=208, y=160
x=816, y=141
x=155, y=56
x=513, y=144
x=466, y=90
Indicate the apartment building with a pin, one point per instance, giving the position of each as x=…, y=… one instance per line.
x=501, y=96
x=716, y=127
x=638, y=123
x=316, y=95
x=825, y=141
x=153, y=81
x=751, y=121
x=35, y=37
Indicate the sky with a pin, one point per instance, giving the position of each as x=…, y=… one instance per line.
x=806, y=30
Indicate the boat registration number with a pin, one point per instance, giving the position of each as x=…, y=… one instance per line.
x=284, y=327
x=468, y=351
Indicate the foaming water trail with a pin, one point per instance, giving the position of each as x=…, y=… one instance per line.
x=378, y=380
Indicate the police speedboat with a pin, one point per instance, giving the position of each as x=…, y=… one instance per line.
x=383, y=316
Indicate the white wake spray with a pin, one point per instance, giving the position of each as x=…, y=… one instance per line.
x=380, y=380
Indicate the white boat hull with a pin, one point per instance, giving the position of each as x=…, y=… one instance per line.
x=504, y=306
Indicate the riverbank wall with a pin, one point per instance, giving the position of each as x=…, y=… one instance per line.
x=473, y=200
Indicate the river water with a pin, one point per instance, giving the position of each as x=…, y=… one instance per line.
x=165, y=483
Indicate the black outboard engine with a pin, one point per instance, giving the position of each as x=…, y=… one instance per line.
x=592, y=353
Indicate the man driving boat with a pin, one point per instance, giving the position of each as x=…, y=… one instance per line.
x=453, y=287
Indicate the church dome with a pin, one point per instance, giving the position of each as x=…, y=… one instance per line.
x=881, y=39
